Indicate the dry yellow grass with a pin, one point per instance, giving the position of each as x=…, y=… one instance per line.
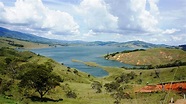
x=155, y=56
x=27, y=45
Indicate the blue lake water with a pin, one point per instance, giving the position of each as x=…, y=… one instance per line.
x=83, y=53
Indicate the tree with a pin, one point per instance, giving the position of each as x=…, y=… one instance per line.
x=113, y=86
x=40, y=79
x=71, y=94
x=120, y=95
x=125, y=77
x=97, y=86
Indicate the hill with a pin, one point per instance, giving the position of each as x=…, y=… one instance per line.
x=22, y=36
x=130, y=44
x=141, y=44
x=78, y=87
x=15, y=43
x=154, y=56
x=14, y=64
x=33, y=38
x=183, y=47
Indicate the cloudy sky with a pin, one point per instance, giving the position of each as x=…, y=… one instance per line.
x=154, y=21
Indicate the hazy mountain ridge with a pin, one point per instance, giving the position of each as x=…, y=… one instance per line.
x=22, y=36
x=142, y=44
x=183, y=47
x=29, y=37
x=130, y=44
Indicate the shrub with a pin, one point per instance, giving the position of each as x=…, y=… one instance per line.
x=139, y=81
x=5, y=85
x=71, y=94
x=75, y=72
x=125, y=77
x=97, y=86
x=113, y=86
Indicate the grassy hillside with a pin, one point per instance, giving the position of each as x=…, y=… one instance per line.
x=9, y=42
x=154, y=56
x=122, y=83
x=14, y=64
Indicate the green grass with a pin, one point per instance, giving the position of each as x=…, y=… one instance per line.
x=7, y=100
x=166, y=75
x=92, y=64
x=80, y=83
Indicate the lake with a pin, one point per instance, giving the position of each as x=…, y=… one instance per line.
x=83, y=53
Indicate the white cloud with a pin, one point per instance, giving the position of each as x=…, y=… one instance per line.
x=1, y=11
x=170, y=31
x=175, y=38
x=35, y=15
x=97, y=16
x=1, y=5
x=111, y=20
x=147, y=20
x=178, y=39
x=135, y=16
x=90, y=33
x=153, y=7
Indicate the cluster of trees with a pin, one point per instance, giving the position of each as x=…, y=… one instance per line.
x=126, y=51
x=96, y=86
x=16, y=45
x=117, y=87
x=29, y=76
x=176, y=63
x=125, y=77
x=10, y=42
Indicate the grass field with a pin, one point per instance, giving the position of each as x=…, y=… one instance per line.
x=80, y=82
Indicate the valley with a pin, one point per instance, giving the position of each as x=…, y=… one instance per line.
x=118, y=86
x=92, y=52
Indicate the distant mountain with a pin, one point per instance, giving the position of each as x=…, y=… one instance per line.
x=22, y=36
x=141, y=44
x=33, y=38
x=183, y=47
x=101, y=43
x=130, y=44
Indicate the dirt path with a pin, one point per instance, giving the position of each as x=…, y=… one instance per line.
x=176, y=86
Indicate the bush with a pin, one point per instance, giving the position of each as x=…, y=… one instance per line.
x=122, y=78
x=139, y=81
x=120, y=95
x=75, y=72
x=17, y=45
x=5, y=85
x=125, y=77
x=97, y=86
x=71, y=94
x=113, y=86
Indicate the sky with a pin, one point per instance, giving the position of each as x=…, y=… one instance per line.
x=154, y=21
